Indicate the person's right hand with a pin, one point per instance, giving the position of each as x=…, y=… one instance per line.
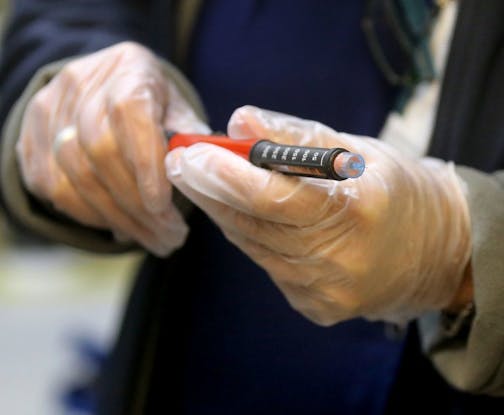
x=390, y=245
x=92, y=145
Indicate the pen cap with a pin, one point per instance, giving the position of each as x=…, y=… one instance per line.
x=349, y=165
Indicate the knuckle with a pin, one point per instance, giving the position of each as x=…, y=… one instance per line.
x=323, y=321
x=129, y=46
x=31, y=170
x=34, y=183
x=120, y=106
x=83, y=177
x=39, y=105
x=59, y=194
x=24, y=148
x=313, y=310
x=338, y=292
x=245, y=224
x=321, y=132
x=71, y=72
x=152, y=196
x=130, y=52
x=303, y=244
x=239, y=114
x=350, y=304
x=143, y=165
x=261, y=202
x=342, y=297
x=37, y=102
x=364, y=210
x=101, y=151
x=319, y=318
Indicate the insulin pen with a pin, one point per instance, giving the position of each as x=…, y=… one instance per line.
x=322, y=163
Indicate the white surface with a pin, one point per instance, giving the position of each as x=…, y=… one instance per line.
x=37, y=358
x=410, y=132
x=47, y=298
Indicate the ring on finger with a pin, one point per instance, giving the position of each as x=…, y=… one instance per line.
x=66, y=134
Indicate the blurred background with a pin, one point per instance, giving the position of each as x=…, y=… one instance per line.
x=59, y=311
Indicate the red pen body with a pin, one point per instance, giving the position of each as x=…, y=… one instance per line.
x=239, y=147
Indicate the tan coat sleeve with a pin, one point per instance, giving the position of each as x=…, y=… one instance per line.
x=474, y=361
x=17, y=199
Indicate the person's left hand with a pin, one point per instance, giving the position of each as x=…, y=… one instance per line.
x=388, y=245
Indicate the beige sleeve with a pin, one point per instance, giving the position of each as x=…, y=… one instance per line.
x=474, y=361
x=23, y=208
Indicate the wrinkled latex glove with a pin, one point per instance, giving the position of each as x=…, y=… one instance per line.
x=388, y=245
x=92, y=145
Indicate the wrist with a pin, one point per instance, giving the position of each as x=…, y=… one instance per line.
x=457, y=317
x=464, y=294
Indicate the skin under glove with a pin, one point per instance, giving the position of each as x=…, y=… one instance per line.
x=92, y=145
x=389, y=245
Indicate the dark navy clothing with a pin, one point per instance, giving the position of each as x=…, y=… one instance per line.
x=247, y=351
x=306, y=58
x=205, y=331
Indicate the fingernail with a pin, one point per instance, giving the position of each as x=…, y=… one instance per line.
x=172, y=163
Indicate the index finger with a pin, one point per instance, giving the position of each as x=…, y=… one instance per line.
x=136, y=117
x=221, y=175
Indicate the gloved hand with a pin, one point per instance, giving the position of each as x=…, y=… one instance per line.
x=388, y=245
x=92, y=145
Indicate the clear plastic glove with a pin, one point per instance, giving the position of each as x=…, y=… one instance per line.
x=92, y=145
x=388, y=245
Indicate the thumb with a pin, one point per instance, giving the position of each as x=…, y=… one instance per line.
x=180, y=116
